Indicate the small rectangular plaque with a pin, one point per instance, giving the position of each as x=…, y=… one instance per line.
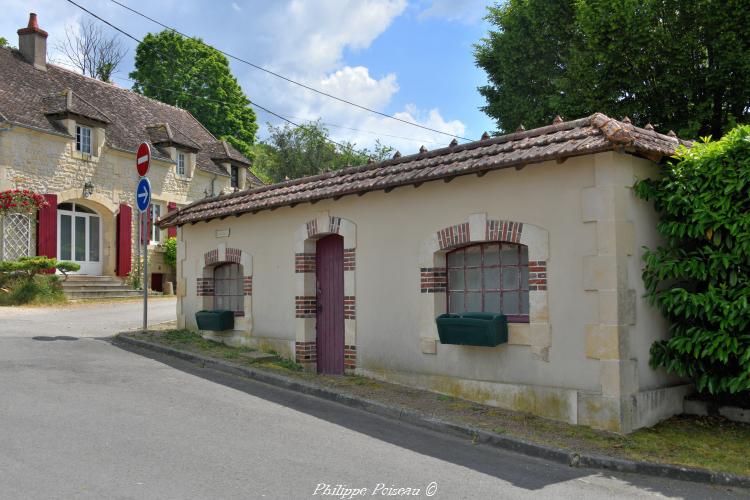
x=222, y=233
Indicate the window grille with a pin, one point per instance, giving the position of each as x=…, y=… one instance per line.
x=490, y=277
x=228, y=291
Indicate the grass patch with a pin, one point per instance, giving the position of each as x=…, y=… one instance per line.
x=288, y=364
x=712, y=443
x=41, y=289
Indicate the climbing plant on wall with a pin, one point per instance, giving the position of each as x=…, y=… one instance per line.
x=700, y=278
x=20, y=201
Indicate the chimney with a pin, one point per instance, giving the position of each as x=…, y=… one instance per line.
x=32, y=42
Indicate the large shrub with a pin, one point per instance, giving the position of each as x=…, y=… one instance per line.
x=700, y=279
x=22, y=283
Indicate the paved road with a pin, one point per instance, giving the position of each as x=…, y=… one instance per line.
x=90, y=319
x=85, y=419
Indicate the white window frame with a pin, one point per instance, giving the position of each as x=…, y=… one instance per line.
x=83, y=139
x=232, y=170
x=180, y=168
x=155, y=236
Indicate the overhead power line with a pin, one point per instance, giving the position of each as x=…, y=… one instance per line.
x=277, y=75
x=252, y=103
x=266, y=110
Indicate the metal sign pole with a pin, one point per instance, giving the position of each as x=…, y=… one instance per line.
x=144, y=221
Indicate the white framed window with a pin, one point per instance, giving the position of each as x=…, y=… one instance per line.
x=83, y=139
x=181, y=164
x=235, y=179
x=155, y=231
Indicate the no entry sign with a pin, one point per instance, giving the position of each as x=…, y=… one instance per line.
x=143, y=158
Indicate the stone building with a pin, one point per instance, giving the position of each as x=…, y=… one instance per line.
x=347, y=271
x=73, y=139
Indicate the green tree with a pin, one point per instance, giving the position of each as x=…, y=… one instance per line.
x=700, y=278
x=679, y=65
x=187, y=73
x=524, y=60
x=293, y=152
x=3, y=42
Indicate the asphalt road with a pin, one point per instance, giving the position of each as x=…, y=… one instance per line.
x=102, y=319
x=85, y=419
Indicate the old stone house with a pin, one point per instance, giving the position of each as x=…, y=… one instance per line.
x=73, y=139
x=347, y=271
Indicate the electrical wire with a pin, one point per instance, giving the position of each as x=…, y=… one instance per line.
x=277, y=75
x=254, y=104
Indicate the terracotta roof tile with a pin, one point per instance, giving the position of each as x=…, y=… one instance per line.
x=593, y=134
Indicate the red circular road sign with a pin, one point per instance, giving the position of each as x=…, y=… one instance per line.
x=143, y=158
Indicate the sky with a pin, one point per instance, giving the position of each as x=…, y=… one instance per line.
x=410, y=59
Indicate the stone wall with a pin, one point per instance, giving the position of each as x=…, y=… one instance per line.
x=48, y=163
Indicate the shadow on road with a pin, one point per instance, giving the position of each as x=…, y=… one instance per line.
x=521, y=471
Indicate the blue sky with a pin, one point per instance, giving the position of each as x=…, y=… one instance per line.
x=412, y=59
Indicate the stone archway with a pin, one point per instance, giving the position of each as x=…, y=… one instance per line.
x=106, y=210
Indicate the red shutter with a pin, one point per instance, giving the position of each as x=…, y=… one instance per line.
x=124, y=239
x=46, y=228
x=171, y=231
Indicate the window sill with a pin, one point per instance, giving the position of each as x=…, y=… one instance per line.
x=84, y=156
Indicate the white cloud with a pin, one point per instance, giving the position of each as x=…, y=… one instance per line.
x=306, y=40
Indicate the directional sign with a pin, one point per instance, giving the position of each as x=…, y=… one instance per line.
x=143, y=194
x=143, y=158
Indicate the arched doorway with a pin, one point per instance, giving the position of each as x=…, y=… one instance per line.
x=79, y=237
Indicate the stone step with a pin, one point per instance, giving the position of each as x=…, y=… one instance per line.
x=76, y=285
x=113, y=294
x=91, y=277
x=97, y=289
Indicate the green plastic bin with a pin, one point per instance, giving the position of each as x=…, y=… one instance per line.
x=217, y=320
x=473, y=328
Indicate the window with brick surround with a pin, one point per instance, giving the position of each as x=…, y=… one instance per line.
x=228, y=288
x=490, y=277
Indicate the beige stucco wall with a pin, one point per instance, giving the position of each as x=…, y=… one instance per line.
x=48, y=163
x=588, y=362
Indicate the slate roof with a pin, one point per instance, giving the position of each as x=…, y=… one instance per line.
x=593, y=134
x=37, y=99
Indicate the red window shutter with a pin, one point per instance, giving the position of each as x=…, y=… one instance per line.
x=46, y=228
x=171, y=231
x=124, y=239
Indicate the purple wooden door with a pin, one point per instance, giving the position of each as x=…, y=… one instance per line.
x=329, y=259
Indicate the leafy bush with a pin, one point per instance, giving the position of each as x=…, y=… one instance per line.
x=700, y=279
x=22, y=289
x=170, y=251
x=31, y=266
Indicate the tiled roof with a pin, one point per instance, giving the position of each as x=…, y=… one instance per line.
x=34, y=98
x=593, y=134
x=223, y=151
x=68, y=102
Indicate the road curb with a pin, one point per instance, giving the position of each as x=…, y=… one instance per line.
x=420, y=419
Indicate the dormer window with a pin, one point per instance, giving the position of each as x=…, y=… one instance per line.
x=181, y=164
x=235, y=176
x=83, y=139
